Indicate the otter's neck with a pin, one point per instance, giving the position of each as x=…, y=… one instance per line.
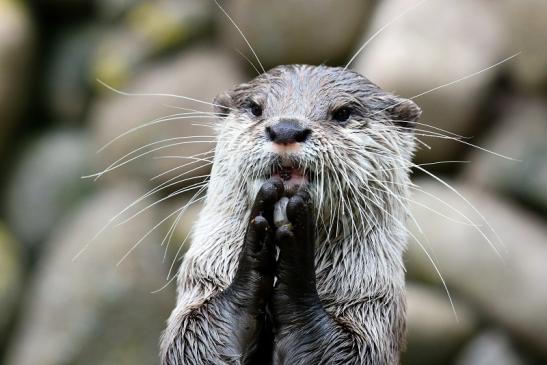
x=219, y=230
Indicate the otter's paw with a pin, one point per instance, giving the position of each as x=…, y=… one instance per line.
x=295, y=269
x=253, y=281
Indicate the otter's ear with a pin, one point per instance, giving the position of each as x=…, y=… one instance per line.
x=404, y=112
x=223, y=104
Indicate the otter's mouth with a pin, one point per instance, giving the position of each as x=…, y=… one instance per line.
x=292, y=177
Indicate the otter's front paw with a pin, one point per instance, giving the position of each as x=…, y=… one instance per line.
x=295, y=267
x=253, y=281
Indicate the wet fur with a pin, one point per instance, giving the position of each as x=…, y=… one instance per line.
x=359, y=183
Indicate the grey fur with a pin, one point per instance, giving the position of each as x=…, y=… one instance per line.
x=360, y=177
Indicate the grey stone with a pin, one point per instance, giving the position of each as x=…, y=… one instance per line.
x=435, y=333
x=91, y=310
x=201, y=73
x=46, y=184
x=521, y=134
x=490, y=348
x=147, y=30
x=434, y=44
x=114, y=9
x=16, y=46
x=509, y=289
x=525, y=21
x=68, y=90
x=325, y=31
x=11, y=278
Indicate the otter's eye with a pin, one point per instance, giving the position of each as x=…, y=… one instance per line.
x=255, y=108
x=342, y=114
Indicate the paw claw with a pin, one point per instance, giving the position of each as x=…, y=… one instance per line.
x=260, y=223
x=271, y=191
x=297, y=210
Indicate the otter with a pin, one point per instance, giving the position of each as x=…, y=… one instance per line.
x=297, y=254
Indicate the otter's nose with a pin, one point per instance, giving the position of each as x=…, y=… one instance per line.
x=287, y=131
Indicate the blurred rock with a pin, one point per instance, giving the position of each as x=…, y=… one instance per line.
x=148, y=29
x=115, y=9
x=521, y=134
x=67, y=85
x=434, y=44
x=434, y=333
x=16, y=43
x=46, y=184
x=511, y=290
x=201, y=73
x=490, y=348
x=91, y=311
x=527, y=27
x=11, y=272
x=325, y=31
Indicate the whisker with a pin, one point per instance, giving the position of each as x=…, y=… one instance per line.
x=124, y=93
x=379, y=31
x=438, y=274
x=177, y=253
x=441, y=130
x=212, y=126
x=431, y=134
x=156, y=121
x=152, y=191
x=436, y=268
x=146, y=235
x=117, y=164
x=414, y=130
x=169, y=196
x=472, y=207
x=188, y=109
x=425, y=164
x=171, y=231
x=208, y=162
x=465, y=77
x=248, y=60
x=149, y=232
x=423, y=143
x=242, y=35
x=451, y=82
x=471, y=145
x=430, y=209
x=165, y=286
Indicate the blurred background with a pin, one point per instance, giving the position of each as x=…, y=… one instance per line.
x=68, y=299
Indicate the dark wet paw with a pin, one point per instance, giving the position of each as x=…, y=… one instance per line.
x=270, y=192
x=295, y=268
x=295, y=240
x=253, y=281
x=260, y=229
x=299, y=216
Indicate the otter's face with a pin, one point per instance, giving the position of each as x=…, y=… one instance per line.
x=329, y=128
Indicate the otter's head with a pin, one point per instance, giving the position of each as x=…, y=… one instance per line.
x=329, y=128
